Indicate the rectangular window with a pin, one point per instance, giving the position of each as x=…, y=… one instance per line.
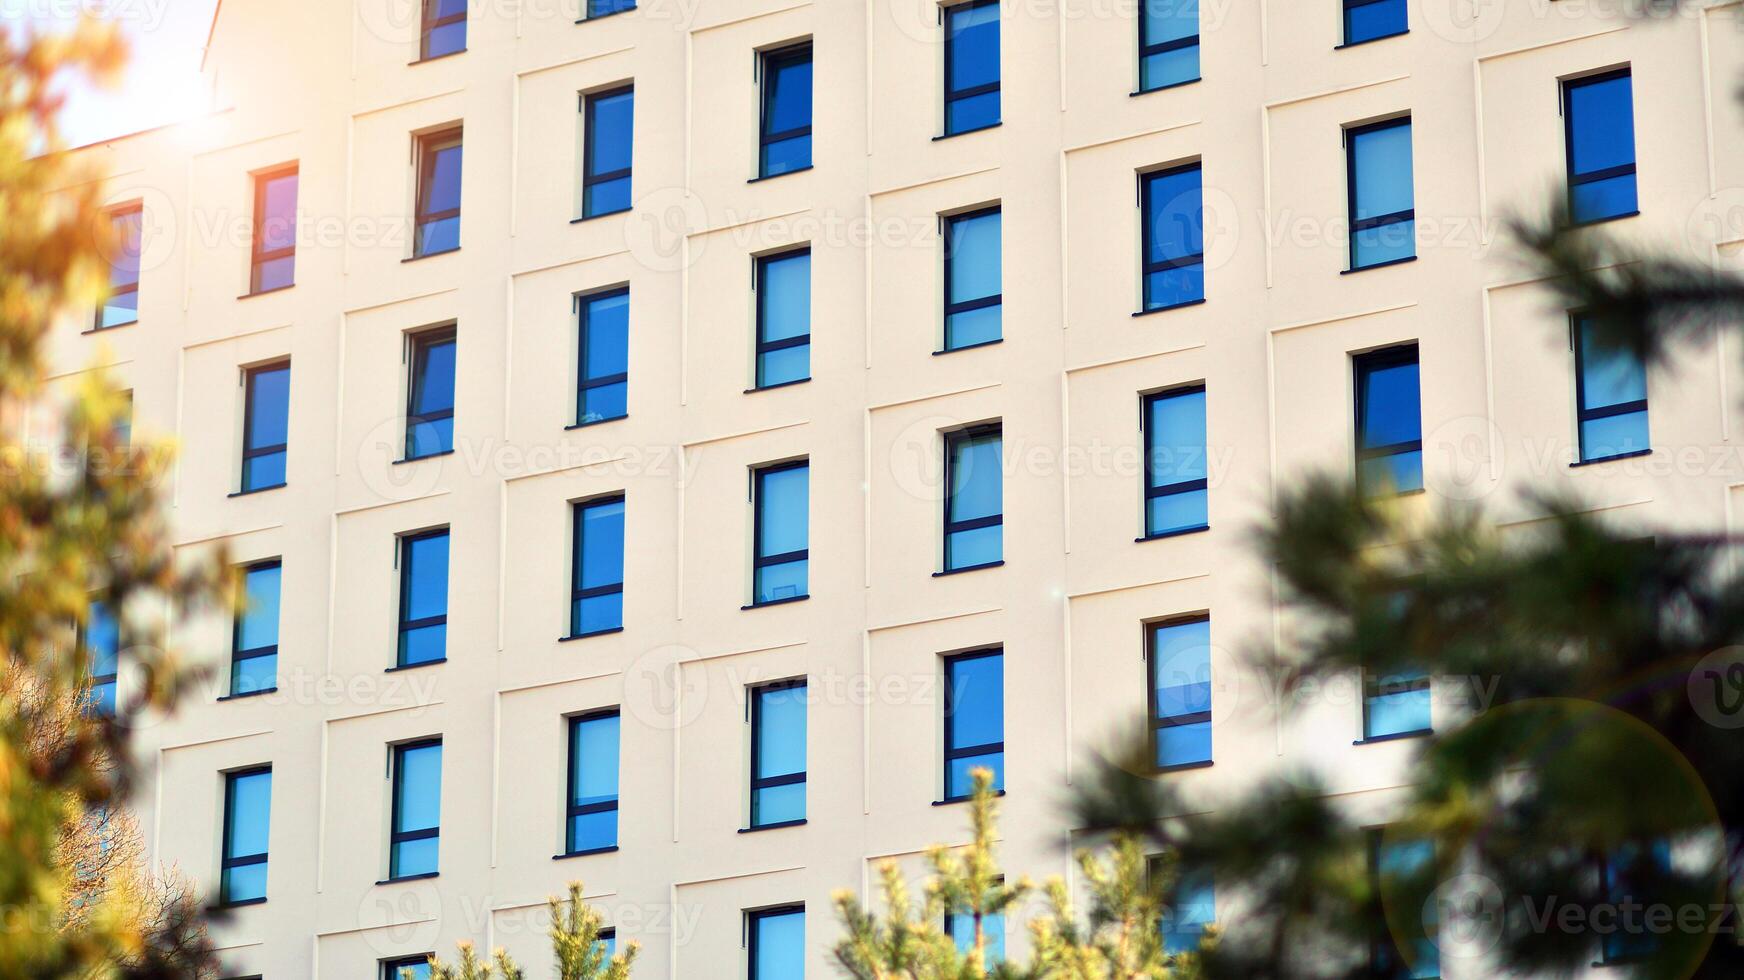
x=783, y=284
x=121, y=304
x=444, y=29
x=1389, y=422
x=605, y=174
x=1180, y=692
x=1168, y=43
x=1395, y=704
x=247, y=816
x=974, y=499
x=960, y=926
x=974, y=720
x=417, y=809
x=407, y=968
x=781, y=560
x=430, y=394
x=971, y=66
x=596, y=602
x=1598, y=121
x=1630, y=872
x=973, y=278
x=439, y=159
x=785, y=132
x=101, y=638
x=604, y=371
x=1401, y=947
x=776, y=943
x=608, y=942
x=423, y=598
x=274, y=257
x=254, y=642
x=1188, y=907
x=1173, y=209
x=601, y=8
x=778, y=754
x=1610, y=382
x=1371, y=20
x=593, y=783
x=1383, y=217
x=1177, y=490
x=265, y=426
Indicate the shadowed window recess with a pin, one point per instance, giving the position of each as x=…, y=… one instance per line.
x=247, y=813
x=784, y=134
x=1189, y=905
x=444, y=28
x=273, y=263
x=1389, y=423
x=596, y=603
x=423, y=598
x=593, y=783
x=973, y=278
x=605, y=178
x=101, y=638
x=438, y=214
x=781, y=559
x=974, y=720
x=430, y=393
x=1177, y=490
x=971, y=66
x=1402, y=947
x=265, y=426
x=974, y=498
x=1632, y=874
x=254, y=644
x=604, y=370
x=121, y=304
x=778, y=754
x=1610, y=395
x=1180, y=692
x=1598, y=121
x=1168, y=43
x=1371, y=20
x=416, y=827
x=1396, y=704
x=783, y=285
x=775, y=943
x=1383, y=217
x=1172, y=208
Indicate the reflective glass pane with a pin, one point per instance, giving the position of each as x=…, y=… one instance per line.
x=1177, y=511
x=782, y=580
x=439, y=236
x=972, y=47
x=599, y=8
x=978, y=546
x=597, y=613
x=974, y=255
x=126, y=247
x=783, y=508
x=962, y=930
x=591, y=831
x=972, y=112
x=1381, y=161
x=605, y=350
x=254, y=674
x=1599, y=199
x=275, y=273
x=433, y=384
x=1396, y=711
x=244, y=883
x=780, y=731
x=785, y=365
x=1601, y=125
x=1391, y=411
x=605, y=402
x=263, y=472
x=426, y=577
x=781, y=156
x=594, y=758
x=1610, y=374
x=278, y=227
x=250, y=814
x=1176, y=433
x=1169, y=20
x=1614, y=435
x=415, y=857
x=977, y=481
x=443, y=172
x=258, y=624
x=780, y=946
x=1384, y=243
x=120, y=310
x=601, y=545
x=777, y=804
x=975, y=704
x=1173, y=287
x=418, y=788
x=1393, y=473
x=1368, y=21
x=1181, y=745
x=1181, y=668
x=609, y=132
x=1175, y=206
x=1192, y=906
x=784, y=296
x=960, y=773
x=102, y=639
x=978, y=326
x=1170, y=67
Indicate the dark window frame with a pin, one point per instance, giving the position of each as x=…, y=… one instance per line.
x=1161, y=47
x=1567, y=86
x=253, y=452
x=428, y=24
x=759, y=561
x=417, y=353
x=259, y=255
x=237, y=653
x=1350, y=181
x=390, y=969
x=1151, y=490
x=954, y=752
x=571, y=808
x=759, y=286
x=1578, y=319
x=590, y=129
x=1149, y=266
x=1155, y=723
x=584, y=384
x=1376, y=686
x=396, y=837
x=1367, y=362
x=785, y=779
x=576, y=592
x=953, y=439
x=428, y=146
x=752, y=918
x=402, y=552
x=114, y=215
x=946, y=12
x=1344, y=17
x=954, y=307
x=111, y=680
x=773, y=60
x=225, y=860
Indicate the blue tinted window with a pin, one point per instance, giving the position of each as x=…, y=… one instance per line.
x=971, y=66
x=605, y=180
x=974, y=720
x=247, y=813
x=972, y=278
x=783, y=318
x=1611, y=396
x=1395, y=704
x=781, y=559
x=1168, y=43
x=102, y=640
x=410, y=968
x=417, y=816
x=1191, y=906
x=778, y=753
x=1630, y=873
x=1383, y=218
x=444, y=28
x=593, y=782
x=423, y=598
x=1174, y=237
x=430, y=413
x=1369, y=20
x=1389, y=423
x=121, y=303
x=275, y=231
x=974, y=499
x=1404, y=948
x=786, y=130
x=597, y=602
x=266, y=427
x=255, y=645
x=1180, y=668
x=777, y=940
x=439, y=159
x=1177, y=489
x=961, y=929
x=1599, y=127
x=605, y=357
x=600, y=8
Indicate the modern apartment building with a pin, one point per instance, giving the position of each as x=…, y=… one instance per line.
x=670, y=444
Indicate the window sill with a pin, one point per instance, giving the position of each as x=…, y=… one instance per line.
x=969, y=568
x=1396, y=736
x=414, y=459
x=584, y=425
x=776, y=602
x=975, y=346
x=1379, y=265
x=403, y=878
x=595, y=217
x=773, y=826
x=249, y=694
x=112, y=326
x=245, y=493
x=1182, y=767
x=435, y=57
x=267, y=292
x=1171, y=306
x=592, y=633
x=1608, y=459
x=1165, y=88
x=795, y=170
x=225, y=906
x=964, y=799
x=966, y=132
x=591, y=850
x=1371, y=40
x=422, y=663
x=429, y=255
x=783, y=384
x=1594, y=221
x=1160, y=535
